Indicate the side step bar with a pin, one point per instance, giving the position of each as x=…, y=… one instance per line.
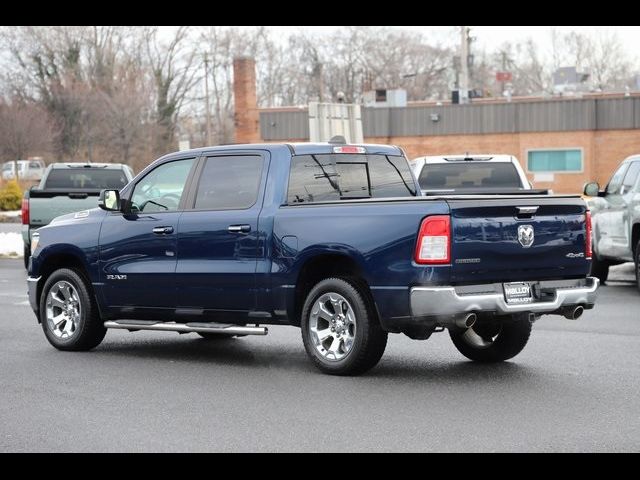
x=134, y=325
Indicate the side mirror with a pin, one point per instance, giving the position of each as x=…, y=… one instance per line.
x=592, y=189
x=109, y=200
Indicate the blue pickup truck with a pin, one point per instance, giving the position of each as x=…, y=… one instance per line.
x=332, y=238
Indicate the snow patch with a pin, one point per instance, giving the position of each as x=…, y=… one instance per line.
x=11, y=244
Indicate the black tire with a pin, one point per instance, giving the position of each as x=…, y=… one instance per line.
x=637, y=263
x=89, y=330
x=512, y=336
x=217, y=336
x=27, y=255
x=599, y=268
x=369, y=339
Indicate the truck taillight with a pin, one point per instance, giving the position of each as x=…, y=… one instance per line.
x=587, y=238
x=434, y=241
x=25, y=211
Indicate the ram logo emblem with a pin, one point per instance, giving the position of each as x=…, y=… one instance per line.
x=525, y=235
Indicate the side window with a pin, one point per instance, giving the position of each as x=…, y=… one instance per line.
x=630, y=178
x=229, y=183
x=616, y=180
x=161, y=189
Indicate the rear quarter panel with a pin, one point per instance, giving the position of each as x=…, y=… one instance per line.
x=379, y=237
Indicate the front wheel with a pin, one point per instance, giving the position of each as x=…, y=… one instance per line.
x=492, y=341
x=69, y=313
x=340, y=330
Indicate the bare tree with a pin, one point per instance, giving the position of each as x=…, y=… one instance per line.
x=173, y=71
x=25, y=130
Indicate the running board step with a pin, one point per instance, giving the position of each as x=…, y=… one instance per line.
x=133, y=325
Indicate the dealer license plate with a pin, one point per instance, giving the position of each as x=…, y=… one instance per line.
x=517, y=293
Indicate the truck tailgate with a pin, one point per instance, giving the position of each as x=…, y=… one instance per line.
x=507, y=239
x=45, y=205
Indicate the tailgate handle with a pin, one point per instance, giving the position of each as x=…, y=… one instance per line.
x=526, y=212
x=78, y=195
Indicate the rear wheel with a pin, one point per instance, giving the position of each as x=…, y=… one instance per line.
x=493, y=341
x=69, y=313
x=340, y=329
x=27, y=254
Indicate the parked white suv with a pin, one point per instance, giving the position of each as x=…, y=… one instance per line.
x=469, y=173
x=27, y=170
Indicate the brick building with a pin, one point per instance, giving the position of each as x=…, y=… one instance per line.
x=561, y=142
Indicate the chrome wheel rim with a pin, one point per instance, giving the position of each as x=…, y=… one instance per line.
x=332, y=326
x=63, y=309
x=481, y=338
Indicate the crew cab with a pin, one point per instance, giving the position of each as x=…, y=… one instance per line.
x=469, y=174
x=332, y=238
x=66, y=188
x=616, y=219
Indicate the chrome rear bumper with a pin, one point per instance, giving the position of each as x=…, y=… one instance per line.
x=445, y=302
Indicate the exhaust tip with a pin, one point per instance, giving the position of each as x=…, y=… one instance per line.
x=466, y=320
x=574, y=313
x=470, y=320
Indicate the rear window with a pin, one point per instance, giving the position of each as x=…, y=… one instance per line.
x=86, y=178
x=321, y=178
x=461, y=176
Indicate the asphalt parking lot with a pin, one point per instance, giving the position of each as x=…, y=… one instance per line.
x=574, y=388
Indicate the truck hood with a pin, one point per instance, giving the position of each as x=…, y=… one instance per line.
x=76, y=217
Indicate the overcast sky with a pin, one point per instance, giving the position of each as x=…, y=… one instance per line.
x=490, y=37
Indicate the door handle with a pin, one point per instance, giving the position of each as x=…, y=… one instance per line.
x=162, y=230
x=239, y=228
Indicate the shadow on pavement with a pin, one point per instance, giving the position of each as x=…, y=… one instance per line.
x=237, y=353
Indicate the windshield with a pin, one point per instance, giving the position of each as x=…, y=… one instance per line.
x=469, y=176
x=86, y=178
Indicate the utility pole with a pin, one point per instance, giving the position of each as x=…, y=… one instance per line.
x=317, y=74
x=206, y=95
x=464, y=65
x=504, y=69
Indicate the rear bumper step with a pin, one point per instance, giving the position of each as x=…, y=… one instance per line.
x=227, y=329
x=446, y=304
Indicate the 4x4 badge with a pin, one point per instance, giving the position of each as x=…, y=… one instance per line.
x=525, y=235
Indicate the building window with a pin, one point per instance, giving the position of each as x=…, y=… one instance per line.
x=567, y=160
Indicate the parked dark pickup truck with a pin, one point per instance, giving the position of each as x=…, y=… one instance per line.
x=66, y=188
x=332, y=238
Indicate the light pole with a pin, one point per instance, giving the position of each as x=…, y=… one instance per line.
x=464, y=65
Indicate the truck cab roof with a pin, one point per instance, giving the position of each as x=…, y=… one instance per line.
x=296, y=148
